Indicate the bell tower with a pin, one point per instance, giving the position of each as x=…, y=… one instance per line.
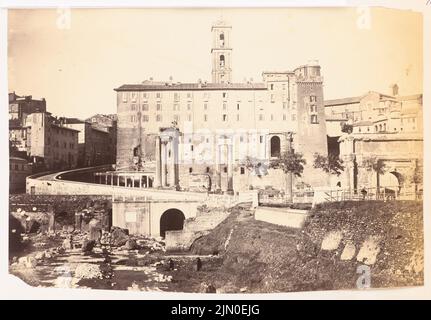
x=221, y=53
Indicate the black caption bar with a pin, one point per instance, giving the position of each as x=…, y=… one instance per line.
x=208, y=309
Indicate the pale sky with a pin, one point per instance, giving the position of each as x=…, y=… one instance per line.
x=76, y=69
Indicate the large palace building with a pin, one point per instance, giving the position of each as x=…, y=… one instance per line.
x=204, y=136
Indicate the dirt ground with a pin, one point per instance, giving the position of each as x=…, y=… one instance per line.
x=262, y=257
x=242, y=255
x=121, y=269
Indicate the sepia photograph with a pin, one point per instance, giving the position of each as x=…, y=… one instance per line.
x=216, y=150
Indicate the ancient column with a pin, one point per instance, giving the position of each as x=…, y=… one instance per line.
x=229, y=157
x=217, y=167
x=157, y=178
x=163, y=164
x=172, y=163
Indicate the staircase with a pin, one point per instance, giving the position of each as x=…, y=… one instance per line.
x=194, y=228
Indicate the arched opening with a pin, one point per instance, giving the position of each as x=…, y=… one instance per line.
x=172, y=219
x=391, y=182
x=222, y=39
x=222, y=60
x=275, y=146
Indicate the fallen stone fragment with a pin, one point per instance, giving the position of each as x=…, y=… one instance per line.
x=67, y=244
x=88, y=271
x=348, y=251
x=39, y=255
x=119, y=236
x=27, y=262
x=131, y=244
x=369, y=250
x=207, y=288
x=332, y=240
x=88, y=245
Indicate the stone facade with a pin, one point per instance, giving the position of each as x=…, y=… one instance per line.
x=385, y=128
x=401, y=157
x=50, y=143
x=19, y=169
x=374, y=112
x=95, y=145
x=221, y=124
x=21, y=106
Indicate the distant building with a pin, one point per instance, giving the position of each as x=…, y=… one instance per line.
x=386, y=129
x=49, y=144
x=21, y=106
x=103, y=120
x=94, y=143
x=219, y=125
x=19, y=169
x=375, y=113
x=107, y=122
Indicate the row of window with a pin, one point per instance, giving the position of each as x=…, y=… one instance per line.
x=207, y=170
x=63, y=132
x=17, y=167
x=57, y=144
x=64, y=157
x=408, y=120
x=176, y=107
x=176, y=117
x=133, y=96
x=382, y=128
x=241, y=139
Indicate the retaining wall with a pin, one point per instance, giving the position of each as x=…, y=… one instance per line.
x=282, y=216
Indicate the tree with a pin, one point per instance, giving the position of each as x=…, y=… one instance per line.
x=347, y=128
x=417, y=178
x=292, y=163
x=331, y=164
x=253, y=165
x=376, y=165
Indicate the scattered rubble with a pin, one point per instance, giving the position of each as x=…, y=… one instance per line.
x=88, y=245
x=207, y=288
x=131, y=244
x=119, y=236
x=93, y=271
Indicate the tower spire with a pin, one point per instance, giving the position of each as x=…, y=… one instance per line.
x=221, y=52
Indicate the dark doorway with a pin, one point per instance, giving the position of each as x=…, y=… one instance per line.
x=172, y=219
x=275, y=146
x=333, y=146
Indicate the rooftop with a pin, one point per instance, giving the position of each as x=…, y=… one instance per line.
x=336, y=102
x=63, y=127
x=18, y=159
x=350, y=100
x=73, y=120
x=160, y=86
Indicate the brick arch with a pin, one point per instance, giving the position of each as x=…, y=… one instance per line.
x=171, y=219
